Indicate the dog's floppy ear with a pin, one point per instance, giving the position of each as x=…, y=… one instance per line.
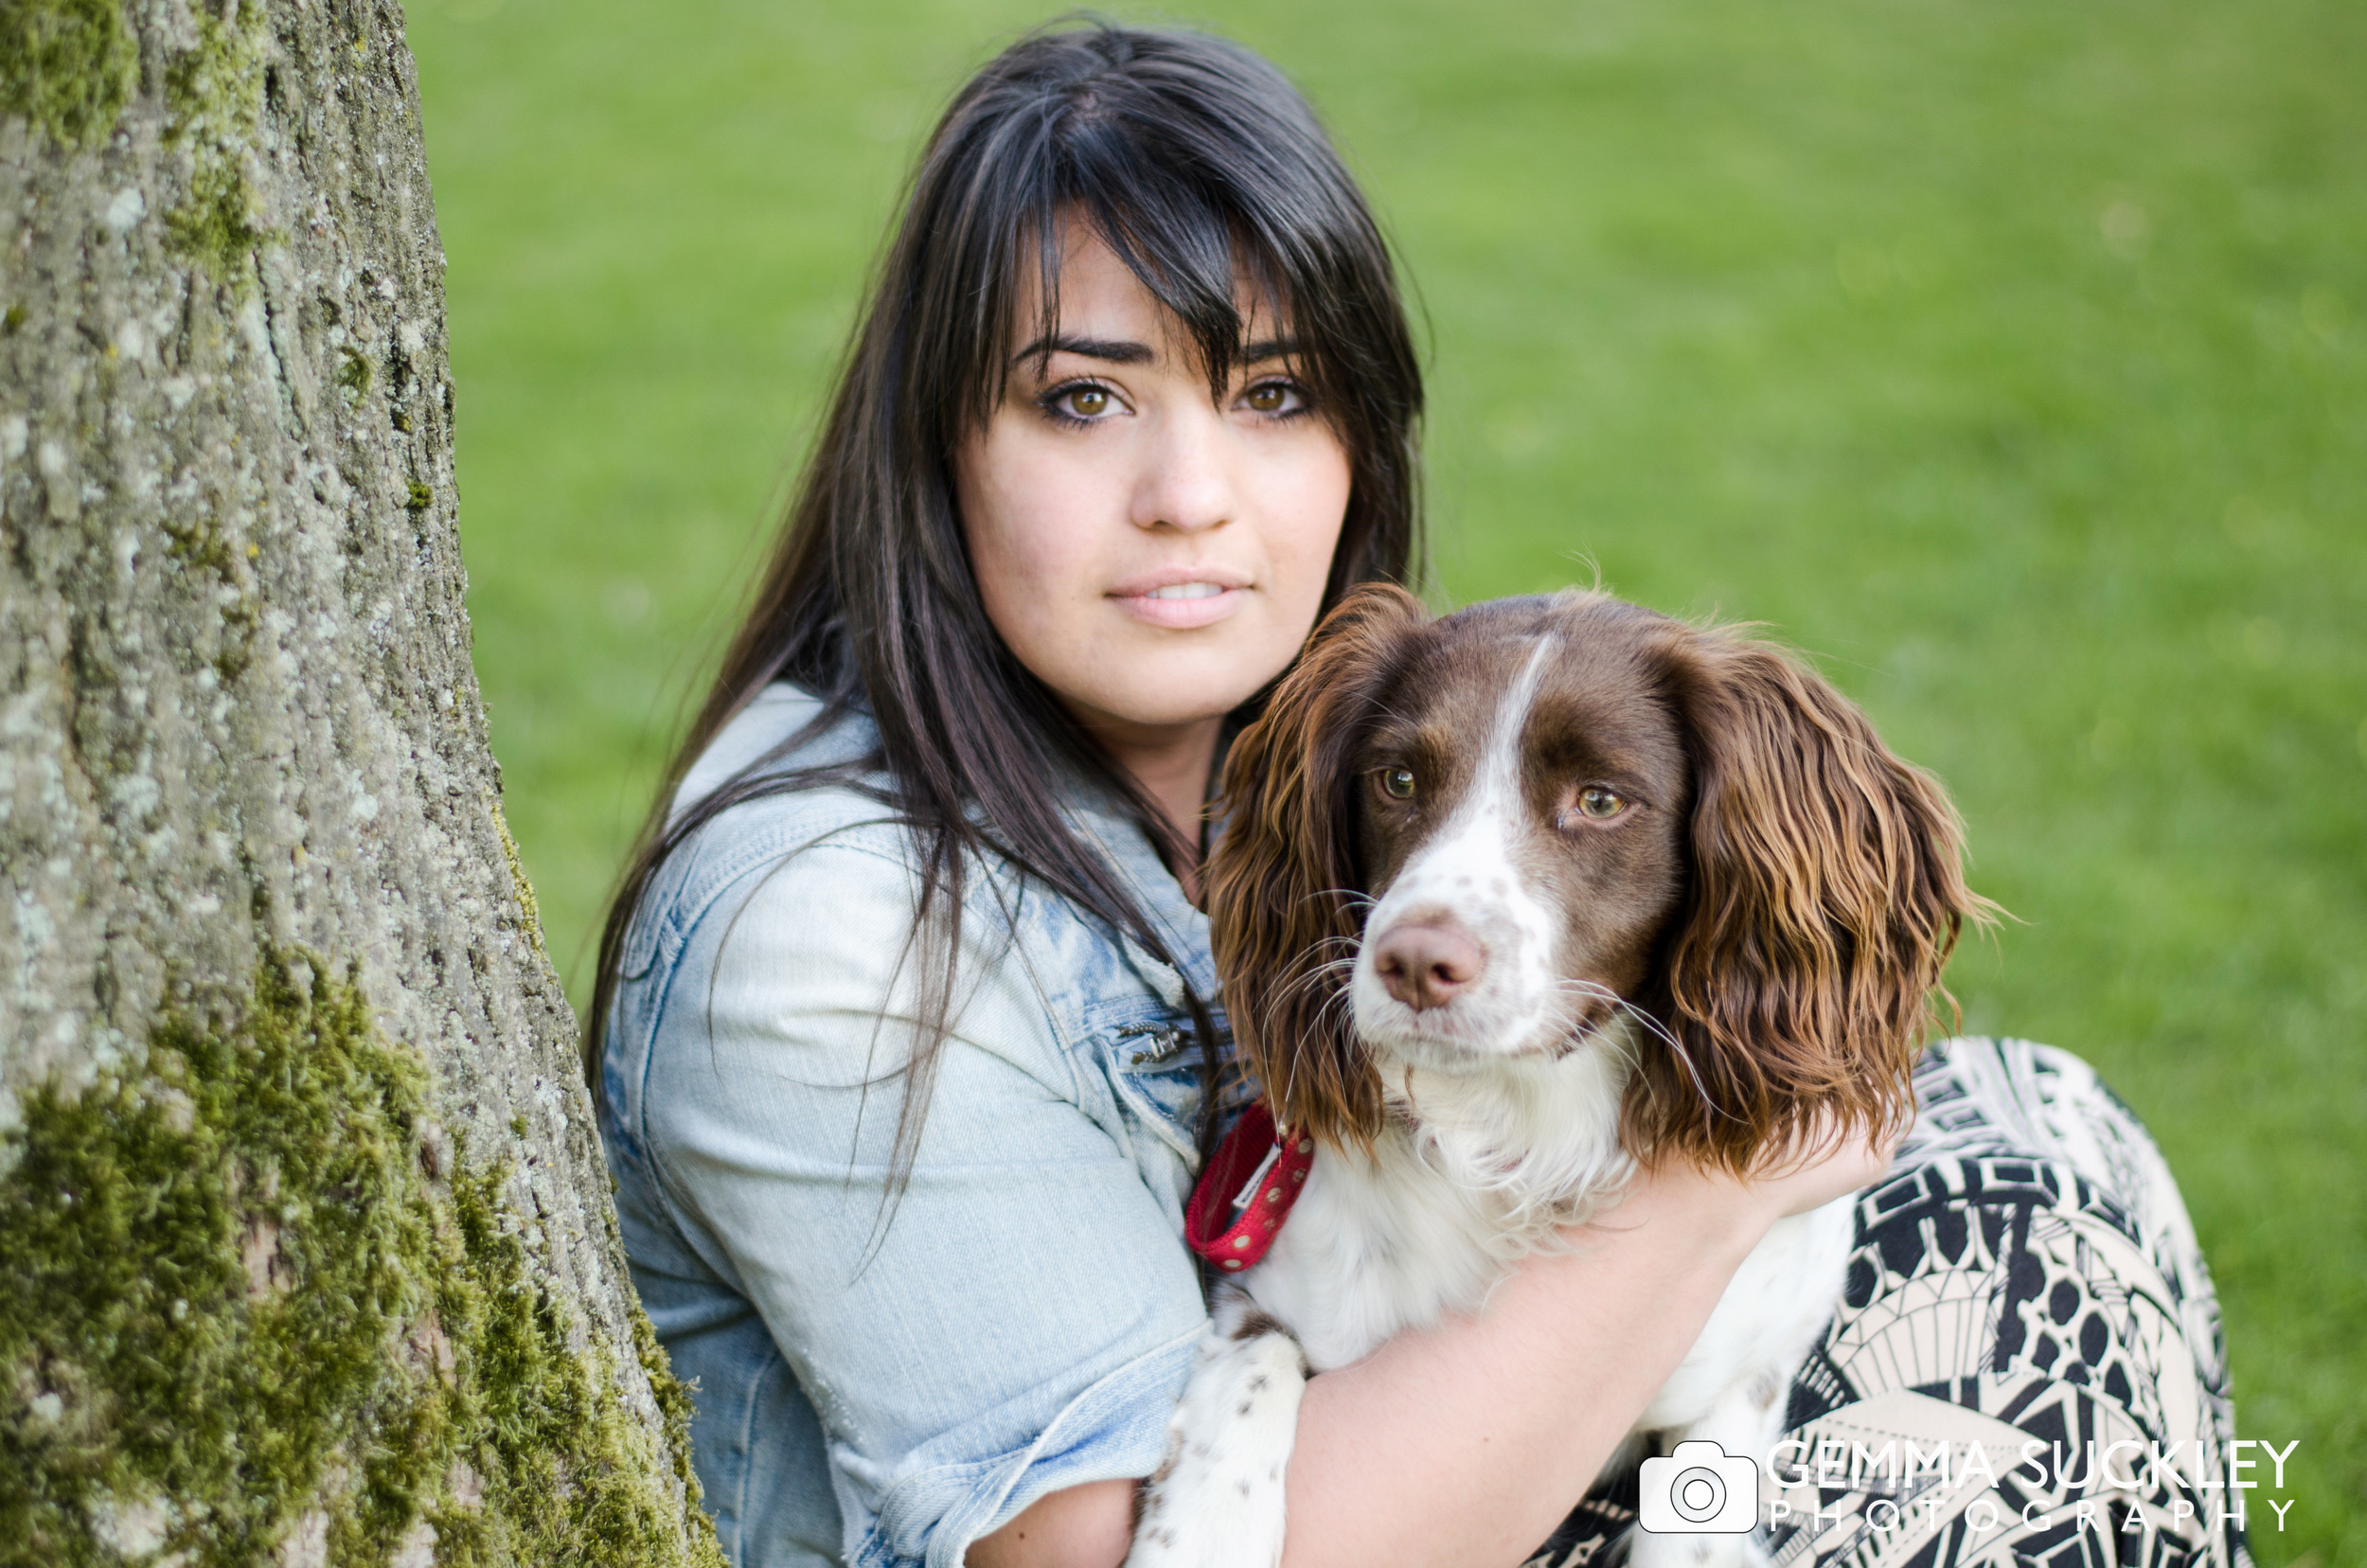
x=1826, y=894
x=1284, y=882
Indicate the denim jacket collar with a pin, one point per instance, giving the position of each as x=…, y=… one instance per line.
x=1156, y=891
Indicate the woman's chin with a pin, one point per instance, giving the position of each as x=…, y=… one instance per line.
x=1147, y=705
x=1176, y=682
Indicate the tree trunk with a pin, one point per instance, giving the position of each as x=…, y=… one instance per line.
x=306, y=1248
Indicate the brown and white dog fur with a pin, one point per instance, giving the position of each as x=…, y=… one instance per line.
x=1506, y=902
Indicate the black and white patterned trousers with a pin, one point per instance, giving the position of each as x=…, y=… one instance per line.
x=2026, y=1298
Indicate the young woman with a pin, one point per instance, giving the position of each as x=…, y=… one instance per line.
x=905, y=1020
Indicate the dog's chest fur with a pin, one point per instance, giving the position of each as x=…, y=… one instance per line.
x=1470, y=1173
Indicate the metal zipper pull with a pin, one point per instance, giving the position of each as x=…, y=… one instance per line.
x=1164, y=1041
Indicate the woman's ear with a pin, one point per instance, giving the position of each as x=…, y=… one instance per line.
x=1284, y=886
x=1827, y=892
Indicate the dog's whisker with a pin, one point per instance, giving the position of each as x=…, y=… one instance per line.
x=1336, y=999
x=1310, y=965
x=1303, y=986
x=1348, y=896
x=1653, y=1027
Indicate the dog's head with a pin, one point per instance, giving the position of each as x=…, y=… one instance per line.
x=1453, y=842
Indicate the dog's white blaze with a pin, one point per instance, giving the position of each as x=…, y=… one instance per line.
x=1470, y=871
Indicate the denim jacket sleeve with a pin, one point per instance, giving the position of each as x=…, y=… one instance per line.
x=1019, y=1318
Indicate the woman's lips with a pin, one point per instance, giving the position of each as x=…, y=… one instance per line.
x=1180, y=601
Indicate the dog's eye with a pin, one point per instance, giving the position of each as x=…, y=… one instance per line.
x=1598, y=803
x=1397, y=783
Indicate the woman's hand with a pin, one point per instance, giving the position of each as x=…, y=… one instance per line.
x=1817, y=1168
x=1713, y=1208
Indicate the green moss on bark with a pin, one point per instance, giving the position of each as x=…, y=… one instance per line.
x=255, y=1294
x=215, y=96
x=216, y=226
x=67, y=65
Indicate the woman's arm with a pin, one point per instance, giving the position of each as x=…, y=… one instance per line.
x=1466, y=1443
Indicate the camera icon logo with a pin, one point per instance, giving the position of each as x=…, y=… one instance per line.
x=1700, y=1489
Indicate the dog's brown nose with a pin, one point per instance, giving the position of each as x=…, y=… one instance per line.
x=1426, y=965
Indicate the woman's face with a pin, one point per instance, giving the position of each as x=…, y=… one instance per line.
x=1151, y=553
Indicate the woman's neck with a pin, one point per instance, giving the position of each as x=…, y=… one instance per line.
x=1170, y=764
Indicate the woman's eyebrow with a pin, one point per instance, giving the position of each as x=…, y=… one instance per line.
x=1115, y=350
x=1126, y=351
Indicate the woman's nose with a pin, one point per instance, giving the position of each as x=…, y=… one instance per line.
x=1186, y=480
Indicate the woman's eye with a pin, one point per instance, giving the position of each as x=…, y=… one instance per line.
x=1273, y=397
x=1598, y=803
x=1085, y=403
x=1397, y=783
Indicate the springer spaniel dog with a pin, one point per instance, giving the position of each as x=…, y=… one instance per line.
x=1506, y=902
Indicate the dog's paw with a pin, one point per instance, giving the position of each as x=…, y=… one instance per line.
x=1217, y=1500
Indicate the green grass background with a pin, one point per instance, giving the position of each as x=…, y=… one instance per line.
x=2010, y=356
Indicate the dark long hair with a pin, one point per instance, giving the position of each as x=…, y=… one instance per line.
x=1203, y=169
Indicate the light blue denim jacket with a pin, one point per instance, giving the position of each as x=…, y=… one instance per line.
x=879, y=1388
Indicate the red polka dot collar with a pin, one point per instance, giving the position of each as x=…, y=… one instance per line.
x=1257, y=1174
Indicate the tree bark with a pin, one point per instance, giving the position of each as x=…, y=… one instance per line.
x=307, y=1253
